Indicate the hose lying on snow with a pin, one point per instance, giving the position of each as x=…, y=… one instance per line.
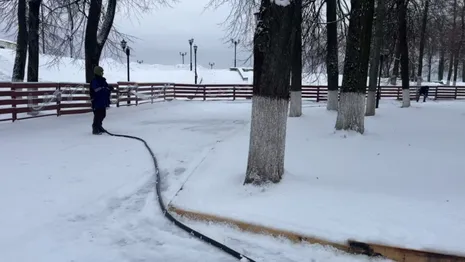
x=165, y=212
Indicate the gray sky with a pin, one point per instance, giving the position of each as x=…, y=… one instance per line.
x=164, y=32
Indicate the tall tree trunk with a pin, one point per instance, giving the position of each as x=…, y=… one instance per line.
x=453, y=45
x=424, y=21
x=94, y=39
x=33, y=21
x=296, y=80
x=273, y=43
x=395, y=70
x=442, y=58
x=451, y=68
x=458, y=49
x=375, y=59
x=430, y=62
x=351, y=111
x=33, y=40
x=463, y=70
x=404, y=59
x=19, y=67
x=332, y=54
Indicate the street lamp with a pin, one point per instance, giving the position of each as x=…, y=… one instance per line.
x=195, y=61
x=182, y=54
x=211, y=65
x=235, y=42
x=127, y=50
x=191, y=41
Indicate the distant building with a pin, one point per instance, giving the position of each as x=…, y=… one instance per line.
x=5, y=44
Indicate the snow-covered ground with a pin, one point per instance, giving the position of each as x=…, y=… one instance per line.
x=400, y=184
x=66, y=195
x=71, y=70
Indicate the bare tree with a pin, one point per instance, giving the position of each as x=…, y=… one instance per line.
x=332, y=66
x=33, y=21
x=375, y=59
x=296, y=80
x=404, y=58
x=424, y=22
x=351, y=111
x=94, y=38
x=19, y=66
x=273, y=43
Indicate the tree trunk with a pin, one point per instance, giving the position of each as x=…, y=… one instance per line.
x=463, y=71
x=458, y=49
x=451, y=68
x=430, y=61
x=273, y=43
x=296, y=80
x=374, y=69
x=404, y=59
x=351, y=111
x=442, y=58
x=453, y=45
x=395, y=70
x=332, y=54
x=19, y=67
x=33, y=21
x=422, y=43
x=95, y=40
x=33, y=41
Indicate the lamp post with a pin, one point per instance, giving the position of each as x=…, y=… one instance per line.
x=182, y=54
x=211, y=65
x=127, y=50
x=235, y=42
x=191, y=41
x=195, y=62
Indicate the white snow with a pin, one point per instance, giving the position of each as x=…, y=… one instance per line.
x=66, y=195
x=400, y=184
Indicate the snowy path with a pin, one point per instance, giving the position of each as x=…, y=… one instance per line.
x=66, y=195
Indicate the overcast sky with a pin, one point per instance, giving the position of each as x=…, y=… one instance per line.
x=165, y=31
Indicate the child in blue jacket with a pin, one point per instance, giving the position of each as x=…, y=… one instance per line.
x=100, y=93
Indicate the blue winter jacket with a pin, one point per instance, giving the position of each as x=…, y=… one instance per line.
x=100, y=93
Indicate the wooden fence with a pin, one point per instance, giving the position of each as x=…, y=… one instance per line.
x=29, y=100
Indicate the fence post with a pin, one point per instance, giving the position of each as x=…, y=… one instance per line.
x=398, y=93
x=164, y=91
x=318, y=94
x=455, y=94
x=128, y=94
x=151, y=94
x=174, y=91
x=204, y=93
x=137, y=97
x=117, y=95
x=14, y=114
x=58, y=98
x=234, y=93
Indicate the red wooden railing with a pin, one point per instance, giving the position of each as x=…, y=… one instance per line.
x=29, y=100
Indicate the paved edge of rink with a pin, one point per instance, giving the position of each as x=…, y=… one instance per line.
x=350, y=246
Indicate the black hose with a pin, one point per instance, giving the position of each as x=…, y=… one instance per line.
x=170, y=217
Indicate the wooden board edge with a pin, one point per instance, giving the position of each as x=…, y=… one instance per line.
x=350, y=246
